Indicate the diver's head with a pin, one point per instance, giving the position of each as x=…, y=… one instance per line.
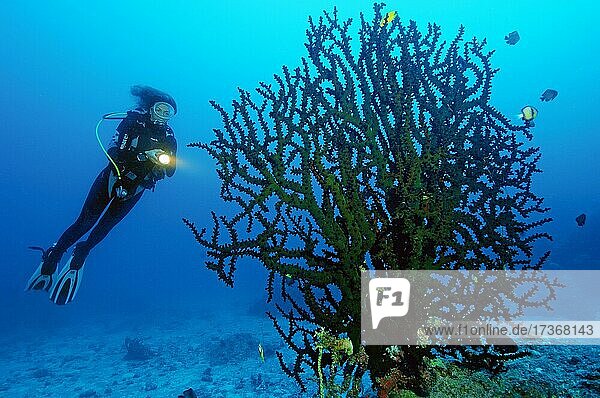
x=161, y=112
x=159, y=104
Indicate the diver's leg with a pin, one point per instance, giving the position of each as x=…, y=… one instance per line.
x=95, y=203
x=69, y=280
x=117, y=210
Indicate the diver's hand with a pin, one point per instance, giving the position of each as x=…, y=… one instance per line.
x=158, y=172
x=153, y=154
x=158, y=156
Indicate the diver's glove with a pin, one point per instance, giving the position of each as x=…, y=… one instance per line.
x=158, y=172
x=158, y=157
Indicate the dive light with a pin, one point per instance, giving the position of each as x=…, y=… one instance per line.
x=163, y=158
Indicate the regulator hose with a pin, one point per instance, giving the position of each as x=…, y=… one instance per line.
x=110, y=116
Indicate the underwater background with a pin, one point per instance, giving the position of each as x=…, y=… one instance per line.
x=65, y=64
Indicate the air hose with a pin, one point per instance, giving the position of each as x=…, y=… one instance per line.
x=110, y=116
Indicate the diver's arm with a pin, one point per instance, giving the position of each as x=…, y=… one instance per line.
x=160, y=169
x=113, y=150
x=163, y=166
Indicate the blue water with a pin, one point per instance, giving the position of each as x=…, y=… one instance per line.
x=64, y=64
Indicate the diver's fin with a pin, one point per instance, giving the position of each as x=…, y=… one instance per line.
x=39, y=281
x=66, y=286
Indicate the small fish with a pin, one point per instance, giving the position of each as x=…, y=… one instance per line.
x=580, y=220
x=261, y=352
x=528, y=113
x=548, y=95
x=389, y=17
x=512, y=38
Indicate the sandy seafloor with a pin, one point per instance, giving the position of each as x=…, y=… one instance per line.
x=215, y=355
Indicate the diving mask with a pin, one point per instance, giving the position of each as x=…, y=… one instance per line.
x=161, y=112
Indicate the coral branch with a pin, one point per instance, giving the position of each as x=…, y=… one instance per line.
x=386, y=155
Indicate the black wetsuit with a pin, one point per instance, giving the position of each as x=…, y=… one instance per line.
x=135, y=135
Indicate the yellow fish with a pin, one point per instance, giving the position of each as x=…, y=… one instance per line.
x=389, y=17
x=261, y=352
x=528, y=113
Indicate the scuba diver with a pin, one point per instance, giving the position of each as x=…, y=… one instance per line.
x=143, y=152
